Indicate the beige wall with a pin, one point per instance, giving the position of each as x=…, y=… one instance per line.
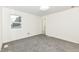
x=64, y=25
x=0, y=27
x=30, y=24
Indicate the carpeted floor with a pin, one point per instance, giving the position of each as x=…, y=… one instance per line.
x=41, y=43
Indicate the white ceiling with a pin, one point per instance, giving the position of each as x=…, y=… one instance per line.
x=36, y=9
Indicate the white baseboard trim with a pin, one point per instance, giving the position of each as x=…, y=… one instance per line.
x=74, y=41
x=21, y=38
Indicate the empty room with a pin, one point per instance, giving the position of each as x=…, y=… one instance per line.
x=39, y=28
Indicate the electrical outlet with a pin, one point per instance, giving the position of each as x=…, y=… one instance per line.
x=5, y=46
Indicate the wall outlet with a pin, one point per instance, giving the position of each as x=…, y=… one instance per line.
x=5, y=46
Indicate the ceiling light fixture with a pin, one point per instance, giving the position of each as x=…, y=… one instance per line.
x=44, y=8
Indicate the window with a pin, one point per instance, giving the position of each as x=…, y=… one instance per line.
x=16, y=21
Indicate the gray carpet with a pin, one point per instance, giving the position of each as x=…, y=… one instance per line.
x=41, y=43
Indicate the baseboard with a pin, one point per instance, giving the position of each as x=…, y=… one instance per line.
x=66, y=39
x=22, y=38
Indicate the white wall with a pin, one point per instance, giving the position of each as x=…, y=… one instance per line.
x=64, y=25
x=0, y=28
x=30, y=24
x=43, y=25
